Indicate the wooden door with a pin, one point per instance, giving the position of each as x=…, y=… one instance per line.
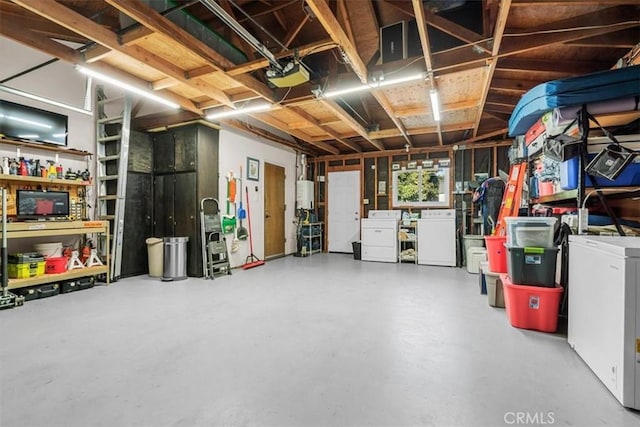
x=273, y=211
x=344, y=210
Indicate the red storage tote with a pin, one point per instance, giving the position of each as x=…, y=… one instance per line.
x=531, y=307
x=496, y=253
x=56, y=265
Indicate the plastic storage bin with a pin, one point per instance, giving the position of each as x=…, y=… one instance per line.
x=56, y=265
x=24, y=265
x=530, y=231
x=531, y=307
x=569, y=174
x=496, y=253
x=476, y=256
x=495, y=296
x=532, y=266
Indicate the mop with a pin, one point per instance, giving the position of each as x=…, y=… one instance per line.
x=252, y=260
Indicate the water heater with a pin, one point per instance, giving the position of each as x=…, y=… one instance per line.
x=304, y=194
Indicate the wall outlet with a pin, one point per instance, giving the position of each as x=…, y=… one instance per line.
x=583, y=220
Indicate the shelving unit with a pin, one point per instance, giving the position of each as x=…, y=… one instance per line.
x=312, y=237
x=45, y=147
x=408, y=243
x=20, y=230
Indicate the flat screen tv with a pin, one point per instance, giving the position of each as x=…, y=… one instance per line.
x=32, y=124
x=40, y=204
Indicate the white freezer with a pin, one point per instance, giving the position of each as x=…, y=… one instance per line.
x=604, y=311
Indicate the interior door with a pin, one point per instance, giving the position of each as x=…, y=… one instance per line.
x=344, y=210
x=273, y=211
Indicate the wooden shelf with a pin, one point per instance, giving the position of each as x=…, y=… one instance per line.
x=557, y=197
x=50, y=181
x=49, y=278
x=571, y=195
x=45, y=147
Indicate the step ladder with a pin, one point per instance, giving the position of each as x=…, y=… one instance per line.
x=512, y=196
x=113, y=128
x=215, y=257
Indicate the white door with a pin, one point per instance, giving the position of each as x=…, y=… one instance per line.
x=344, y=210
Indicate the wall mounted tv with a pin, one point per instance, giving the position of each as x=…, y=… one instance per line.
x=40, y=204
x=32, y=124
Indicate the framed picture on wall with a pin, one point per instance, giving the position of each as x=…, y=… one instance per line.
x=253, y=169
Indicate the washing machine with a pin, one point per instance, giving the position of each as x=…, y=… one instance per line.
x=437, y=237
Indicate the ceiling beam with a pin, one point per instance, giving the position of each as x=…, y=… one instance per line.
x=501, y=23
x=502, y=99
x=331, y=25
x=567, y=66
x=237, y=124
x=547, y=3
x=310, y=119
x=315, y=47
x=418, y=9
x=151, y=19
x=513, y=85
x=43, y=44
x=294, y=31
x=351, y=122
x=272, y=121
x=66, y=17
x=15, y=13
x=418, y=111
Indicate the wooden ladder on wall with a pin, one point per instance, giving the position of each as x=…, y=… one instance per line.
x=113, y=128
x=512, y=196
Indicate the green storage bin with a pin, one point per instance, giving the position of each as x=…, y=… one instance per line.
x=532, y=266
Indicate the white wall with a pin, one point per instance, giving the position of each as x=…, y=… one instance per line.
x=234, y=150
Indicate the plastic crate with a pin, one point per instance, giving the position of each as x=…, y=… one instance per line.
x=531, y=307
x=24, y=265
x=532, y=266
x=529, y=231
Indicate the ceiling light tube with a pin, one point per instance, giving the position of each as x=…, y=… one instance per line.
x=244, y=110
x=377, y=84
x=126, y=86
x=435, y=106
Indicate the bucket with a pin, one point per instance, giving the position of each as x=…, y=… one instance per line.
x=49, y=249
x=546, y=188
x=497, y=253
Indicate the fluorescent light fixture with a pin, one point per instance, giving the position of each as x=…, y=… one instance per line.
x=377, y=84
x=244, y=110
x=39, y=98
x=59, y=135
x=126, y=86
x=435, y=106
x=27, y=121
x=29, y=136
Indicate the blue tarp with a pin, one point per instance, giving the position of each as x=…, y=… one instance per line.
x=601, y=86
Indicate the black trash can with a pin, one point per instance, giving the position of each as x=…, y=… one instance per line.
x=357, y=245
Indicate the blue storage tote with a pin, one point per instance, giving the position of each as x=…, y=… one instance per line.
x=569, y=174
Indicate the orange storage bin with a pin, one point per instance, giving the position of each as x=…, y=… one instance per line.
x=531, y=307
x=496, y=253
x=56, y=265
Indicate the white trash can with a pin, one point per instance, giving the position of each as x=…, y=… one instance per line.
x=154, y=251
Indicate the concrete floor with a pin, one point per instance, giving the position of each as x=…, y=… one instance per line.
x=319, y=341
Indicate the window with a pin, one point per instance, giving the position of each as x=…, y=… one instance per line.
x=421, y=187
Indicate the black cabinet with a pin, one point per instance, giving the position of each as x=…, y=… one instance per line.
x=185, y=171
x=138, y=207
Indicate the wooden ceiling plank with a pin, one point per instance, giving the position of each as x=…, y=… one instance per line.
x=12, y=12
x=151, y=19
x=331, y=25
x=50, y=47
x=485, y=136
x=344, y=14
x=351, y=122
x=272, y=121
x=237, y=124
x=315, y=47
x=547, y=3
x=308, y=118
x=501, y=23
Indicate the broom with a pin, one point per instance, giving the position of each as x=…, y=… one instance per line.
x=252, y=260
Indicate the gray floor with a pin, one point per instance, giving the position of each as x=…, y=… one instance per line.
x=317, y=341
